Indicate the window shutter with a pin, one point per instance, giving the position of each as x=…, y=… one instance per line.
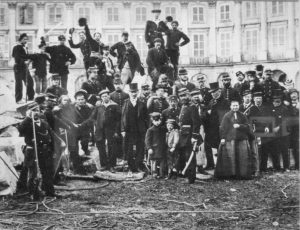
x=29, y=15
x=22, y=15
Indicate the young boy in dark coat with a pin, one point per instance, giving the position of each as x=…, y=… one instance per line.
x=156, y=144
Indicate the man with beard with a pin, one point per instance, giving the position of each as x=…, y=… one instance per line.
x=91, y=86
x=173, y=43
x=189, y=123
x=61, y=58
x=268, y=85
x=84, y=47
x=212, y=118
x=248, y=108
x=183, y=81
x=134, y=124
x=157, y=61
x=228, y=92
x=20, y=54
x=155, y=29
x=241, y=80
x=259, y=72
x=55, y=88
x=252, y=84
x=119, y=96
x=173, y=111
x=107, y=116
x=145, y=93
x=158, y=102
x=204, y=91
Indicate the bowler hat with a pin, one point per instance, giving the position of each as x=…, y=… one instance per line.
x=259, y=67
x=246, y=92
x=182, y=71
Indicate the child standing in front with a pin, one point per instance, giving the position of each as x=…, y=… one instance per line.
x=156, y=144
x=172, y=139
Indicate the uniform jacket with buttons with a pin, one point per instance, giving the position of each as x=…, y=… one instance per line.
x=119, y=97
x=268, y=86
x=279, y=113
x=153, y=31
x=157, y=105
x=171, y=113
x=230, y=93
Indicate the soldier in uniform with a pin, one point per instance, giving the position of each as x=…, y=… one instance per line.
x=44, y=150
x=145, y=93
x=55, y=88
x=134, y=124
x=183, y=81
x=172, y=112
x=189, y=123
x=91, y=86
x=204, y=91
x=268, y=85
x=119, y=96
x=84, y=47
x=212, y=118
x=155, y=29
x=228, y=92
x=241, y=80
x=158, y=102
x=108, y=117
x=259, y=72
x=20, y=54
x=61, y=58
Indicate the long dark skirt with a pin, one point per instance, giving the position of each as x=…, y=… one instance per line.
x=234, y=160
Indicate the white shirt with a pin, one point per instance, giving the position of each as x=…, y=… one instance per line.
x=133, y=102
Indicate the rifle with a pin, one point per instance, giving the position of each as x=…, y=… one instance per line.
x=38, y=177
x=190, y=159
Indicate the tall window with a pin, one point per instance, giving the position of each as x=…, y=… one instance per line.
x=171, y=11
x=251, y=45
x=278, y=41
x=198, y=14
x=4, y=47
x=199, y=45
x=84, y=12
x=141, y=46
x=141, y=14
x=2, y=16
x=112, y=14
x=112, y=39
x=26, y=14
x=225, y=44
x=55, y=14
x=224, y=13
x=277, y=8
x=251, y=9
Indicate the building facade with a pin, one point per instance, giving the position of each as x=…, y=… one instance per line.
x=225, y=35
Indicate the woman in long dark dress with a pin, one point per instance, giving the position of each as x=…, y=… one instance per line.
x=234, y=155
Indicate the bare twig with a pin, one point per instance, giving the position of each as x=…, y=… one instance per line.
x=284, y=193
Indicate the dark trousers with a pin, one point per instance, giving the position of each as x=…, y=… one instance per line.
x=174, y=58
x=107, y=158
x=40, y=83
x=295, y=149
x=20, y=77
x=209, y=155
x=280, y=148
x=64, y=81
x=135, y=156
x=265, y=151
x=184, y=156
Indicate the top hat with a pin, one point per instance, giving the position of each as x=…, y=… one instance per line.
x=133, y=87
x=182, y=71
x=214, y=86
x=259, y=67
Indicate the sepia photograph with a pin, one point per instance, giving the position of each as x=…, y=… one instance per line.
x=158, y=114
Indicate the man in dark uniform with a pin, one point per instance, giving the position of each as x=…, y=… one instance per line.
x=119, y=96
x=241, y=80
x=134, y=123
x=259, y=72
x=212, y=118
x=20, y=54
x=173, y=111
x=91, y=86
x=252, y=83
x=55, y=88
x=157, y=61
x=228, y=92
x=183, y=81
x=155, y=29
x=83, y=45
x=248, y=108
x=61, y=58
x=108, y=117
x=44, y=150
x=189, y=123
x=204, y=91
x=145, y=93
x=173, y=43
x=158, y=102
x=268, y=85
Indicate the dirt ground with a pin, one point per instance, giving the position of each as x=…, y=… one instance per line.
x=269, y=202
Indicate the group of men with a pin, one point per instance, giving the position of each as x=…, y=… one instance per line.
x=117, y=121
